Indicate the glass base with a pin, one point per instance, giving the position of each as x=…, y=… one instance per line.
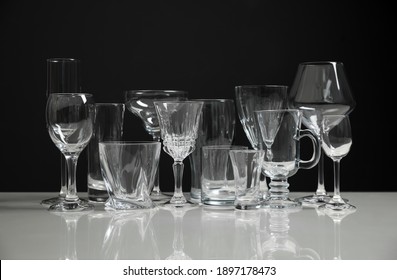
x=119, y=204
x=277, y=203
x=71, y=206
x=95, y=195
x=52, y=201
x=158, y=196
x=247, y=206
x=314, y=199
x=337, y=206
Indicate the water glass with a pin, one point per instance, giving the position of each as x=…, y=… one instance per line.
x=217, y=179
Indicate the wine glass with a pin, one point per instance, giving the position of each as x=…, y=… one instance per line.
x=337, y=141
x=320, y=88
x=179, y=122
x=250, y=98
x=63, y=76
x=140, y=103
x=70, y=126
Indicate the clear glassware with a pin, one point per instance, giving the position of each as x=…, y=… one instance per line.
x=217, y=125
x=250, y=98
x=70, y=126
x=320, y=88
x=63, y=76
x=337, y=141
x=179, y=122
x=140, y=103
x=281, y=128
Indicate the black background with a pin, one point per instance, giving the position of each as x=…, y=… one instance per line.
x=206, y=48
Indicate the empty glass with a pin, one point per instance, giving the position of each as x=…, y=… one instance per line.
x=70, y=125
x=140, y=103
x=250, y=98
x=128, y=169
x=108, y=126
x=247, y=168
x=63, y=76
x=179, y=122
x=280, y=130
x=216, y=127
x=337, y=140
x=217, y=179
x=320, y=88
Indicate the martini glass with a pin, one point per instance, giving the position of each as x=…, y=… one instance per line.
x=140, y=103
x=320, y=88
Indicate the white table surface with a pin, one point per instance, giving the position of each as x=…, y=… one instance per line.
x=29, y=231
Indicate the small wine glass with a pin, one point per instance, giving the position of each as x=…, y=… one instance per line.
x=70, y=126
x=179, y=122
x=320, y=88
x=337, y=140
x=140, y=103
x=63, y=75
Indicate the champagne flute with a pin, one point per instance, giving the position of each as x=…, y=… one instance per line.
x=70, y=126
x=179, y=122
x=320, y=88
x=140, y=103
x=337, y=140
x=63, y=76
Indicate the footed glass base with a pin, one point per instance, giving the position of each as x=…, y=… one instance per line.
x=314, y=199
x=52, y=201
x=158, y=196
x=337, y=205
x=71, y=206
x=278, y=203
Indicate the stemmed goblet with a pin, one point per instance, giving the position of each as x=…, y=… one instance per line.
x=337, y=140
x=70, y=126
x=179, y=122
x=320, y=88
x=63, y=76
x=140, y=103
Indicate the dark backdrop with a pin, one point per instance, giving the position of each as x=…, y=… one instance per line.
x=205, y=47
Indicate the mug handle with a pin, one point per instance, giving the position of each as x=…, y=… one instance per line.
x=307, y=164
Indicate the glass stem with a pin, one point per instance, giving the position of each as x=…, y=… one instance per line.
x=320, y=186
x=178, y=175
x=64, y=177
x=156, y=187
x=71, y=193
x=337, y=196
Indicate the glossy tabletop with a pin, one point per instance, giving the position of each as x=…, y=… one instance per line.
x=29, y=231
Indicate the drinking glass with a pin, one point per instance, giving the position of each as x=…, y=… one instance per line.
x=250, y=98
x=70, y=126
x=179, y=122
x=320, y=88
x=140, y=103
x=216, y=127
x=63, y=76
x=280, y=130
x=337, y=140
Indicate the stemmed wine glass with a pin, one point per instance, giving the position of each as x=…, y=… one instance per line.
x=320, y=88
x=179, y=122
x=70, y=126
x=337, y=140
x=250, y=98
x=140, y=103
x=63, y=76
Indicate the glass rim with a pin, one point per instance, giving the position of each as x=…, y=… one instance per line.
x=154, y=91
x=128, y=143
x=62, y=59
x=321, y=62
x=71, y=94
x=179, y=101
x=262, y=86
x=213, y=99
